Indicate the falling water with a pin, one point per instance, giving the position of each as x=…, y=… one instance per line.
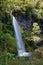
x=20, y=44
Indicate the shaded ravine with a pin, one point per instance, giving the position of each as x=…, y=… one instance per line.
x=20, y=43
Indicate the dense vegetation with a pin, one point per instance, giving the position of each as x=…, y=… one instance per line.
x=32, y=37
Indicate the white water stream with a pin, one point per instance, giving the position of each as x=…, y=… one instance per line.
x=20, y=43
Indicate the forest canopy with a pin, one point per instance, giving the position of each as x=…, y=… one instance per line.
x=29, y=15
x=30, y=7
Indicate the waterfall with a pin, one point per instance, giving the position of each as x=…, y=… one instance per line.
x=20, y=43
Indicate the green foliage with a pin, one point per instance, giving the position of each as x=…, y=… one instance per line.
x=27, y=38
x=36, y=28
x=7, y=41
x=29, y=7
x=8, y=47
x=36, y=32
x=24, y=61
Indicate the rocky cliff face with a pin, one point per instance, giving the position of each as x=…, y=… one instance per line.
x=41, y=25
x=23, y=20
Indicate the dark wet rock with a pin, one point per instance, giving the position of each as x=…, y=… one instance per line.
x=26, y=23
x=23, y=20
